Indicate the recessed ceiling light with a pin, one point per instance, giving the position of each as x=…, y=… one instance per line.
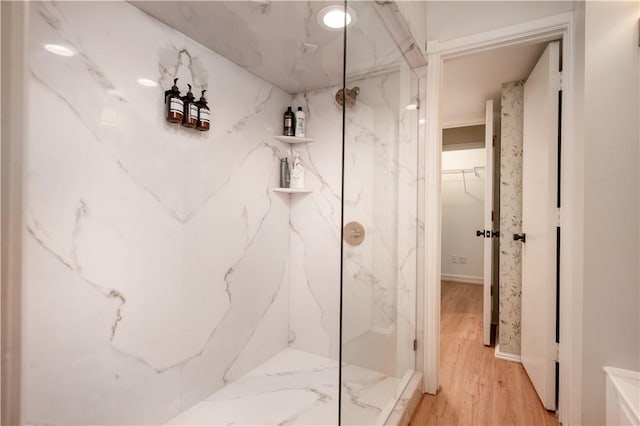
x=335, y=17
x=411, y=107
x=59, y=50
x=147, y=82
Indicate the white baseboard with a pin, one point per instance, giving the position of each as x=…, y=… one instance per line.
x=507, y=356
x=462, y=279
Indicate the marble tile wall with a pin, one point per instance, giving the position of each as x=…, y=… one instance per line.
x=380, y=191
x=371, y=144
x=510, y=217
x=407, y=221
x=158, y=265
x=156, y=259
x=315, y=231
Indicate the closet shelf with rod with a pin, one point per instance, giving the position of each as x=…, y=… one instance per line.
x=464, y=172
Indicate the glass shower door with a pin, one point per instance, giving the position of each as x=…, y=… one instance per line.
x=379, y=220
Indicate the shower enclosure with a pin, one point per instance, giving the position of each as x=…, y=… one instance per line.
x=166, y=278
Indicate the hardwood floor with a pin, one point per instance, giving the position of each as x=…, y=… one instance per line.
x=475, y=387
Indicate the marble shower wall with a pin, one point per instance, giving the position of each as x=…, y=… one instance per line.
x=156, y=259
x=407, y=172
x=314, y=222
x=380, y=191
x=510, y=217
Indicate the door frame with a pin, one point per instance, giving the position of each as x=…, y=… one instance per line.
x=14, y=16
x=554, y=27
x=487, y=208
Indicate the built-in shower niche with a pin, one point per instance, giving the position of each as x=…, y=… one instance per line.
x=164, y=278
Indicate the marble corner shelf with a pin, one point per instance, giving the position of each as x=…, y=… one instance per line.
x=293, y=139
x=292, y=190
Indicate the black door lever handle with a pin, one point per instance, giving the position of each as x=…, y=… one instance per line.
x=480, y=233
x=520, y=237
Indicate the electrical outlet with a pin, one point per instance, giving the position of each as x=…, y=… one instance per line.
x=462, y=260
x=454, y=259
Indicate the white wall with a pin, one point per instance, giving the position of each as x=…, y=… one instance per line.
x=611, y=313
x=462, y=215
x=447, y=20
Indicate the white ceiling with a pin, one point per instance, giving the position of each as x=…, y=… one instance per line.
x=469, y=81
x=267, y=38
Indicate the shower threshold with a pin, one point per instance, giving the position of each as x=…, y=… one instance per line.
x=296, y=388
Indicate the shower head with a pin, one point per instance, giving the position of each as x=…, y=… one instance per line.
x=347, y=97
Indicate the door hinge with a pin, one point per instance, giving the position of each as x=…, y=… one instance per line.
x=415, y=344
x=557, y=354
x=558, y=217
x=560, y=80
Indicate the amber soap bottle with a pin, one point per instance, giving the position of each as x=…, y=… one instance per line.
x=175, y=106
x=190, y=118
x=204, y=114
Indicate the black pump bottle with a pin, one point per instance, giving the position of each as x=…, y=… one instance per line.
x=289, y=123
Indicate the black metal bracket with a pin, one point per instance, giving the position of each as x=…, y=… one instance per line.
x=520, y=237
x=488, y=234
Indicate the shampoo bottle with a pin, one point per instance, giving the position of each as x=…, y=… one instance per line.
x=284, y=173
x=190, y=118
x=301, y=122
x=204, y=114
x=297, y=173
x=289, y=123
x=174, y=103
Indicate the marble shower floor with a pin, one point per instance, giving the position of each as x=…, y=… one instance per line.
x=296, y=388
